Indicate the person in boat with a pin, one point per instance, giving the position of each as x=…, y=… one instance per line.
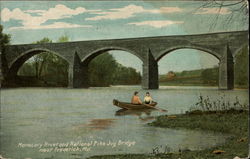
x=136, y=99
x=148, y=99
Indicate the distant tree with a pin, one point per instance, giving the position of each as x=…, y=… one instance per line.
x=63, y=38
x=102, y=70
x=241, y=67
x=184, y=73
x=126, y=75
x=210, y=76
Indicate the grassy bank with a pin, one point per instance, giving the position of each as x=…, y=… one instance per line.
x=184, y=81
x=233, y=122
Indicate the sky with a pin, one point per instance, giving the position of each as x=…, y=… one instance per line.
x=30, y=21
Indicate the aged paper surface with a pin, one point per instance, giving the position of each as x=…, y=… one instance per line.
x=124, y=79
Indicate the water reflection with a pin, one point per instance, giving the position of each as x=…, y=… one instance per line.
x=97, y=124
x=139, y=113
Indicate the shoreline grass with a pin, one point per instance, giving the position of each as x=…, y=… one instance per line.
x=232, y=122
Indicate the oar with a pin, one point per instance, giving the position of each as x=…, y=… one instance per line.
x=162, y=110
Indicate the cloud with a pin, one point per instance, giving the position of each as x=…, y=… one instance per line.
x=55, y=25
x=156, y=24
x=222, y=11
x=35, y=11
x=130, y=11
x=166, y=10
x=29, y=21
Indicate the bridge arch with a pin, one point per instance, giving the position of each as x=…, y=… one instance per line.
x=99, y=51
x=187, y=62
x=24, y=56
x=81, y=65
x=169, y=50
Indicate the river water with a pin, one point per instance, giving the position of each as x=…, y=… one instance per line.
x=78, y=123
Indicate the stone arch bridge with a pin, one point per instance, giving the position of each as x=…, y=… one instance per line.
x=224, y=46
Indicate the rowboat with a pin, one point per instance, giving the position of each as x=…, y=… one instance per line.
x=125, y=105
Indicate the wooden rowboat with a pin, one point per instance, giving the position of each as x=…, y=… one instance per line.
x=125, y=105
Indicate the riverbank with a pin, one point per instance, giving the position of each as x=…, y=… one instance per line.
x=231, y=122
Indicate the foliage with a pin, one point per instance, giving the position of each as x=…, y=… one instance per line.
x=241, y=67
x=4, y=39
x=63, y=38
x=126, y=75
x=200, y=77
x=219, y=104
x=43, y=41
x=183, y=74
x=101, y=70
x=46, y=66
x=105, y=71
x=210, y=76
x=190, y=73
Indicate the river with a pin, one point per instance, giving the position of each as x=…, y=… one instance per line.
x=41, y=123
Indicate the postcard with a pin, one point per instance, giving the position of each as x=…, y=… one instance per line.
x=124, y=79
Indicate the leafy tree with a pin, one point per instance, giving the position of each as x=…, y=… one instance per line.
x=126, y=75
x=47, y=66
x=102, y=70
x=40, y=59
x=210, y=76
x=241, y=67
x=4, y=40
x=63, y=38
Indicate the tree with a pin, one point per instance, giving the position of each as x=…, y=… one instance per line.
x=47, y=66
x=126, y=75
x=241, y=67
x=210, y=76
x=4, y=40
x=63, y=38
x=102, y=70
x=40, y=59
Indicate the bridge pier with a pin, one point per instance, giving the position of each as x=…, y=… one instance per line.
x=70, y=76
x=226, y=70
x=150, y=73
x=78, y=74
